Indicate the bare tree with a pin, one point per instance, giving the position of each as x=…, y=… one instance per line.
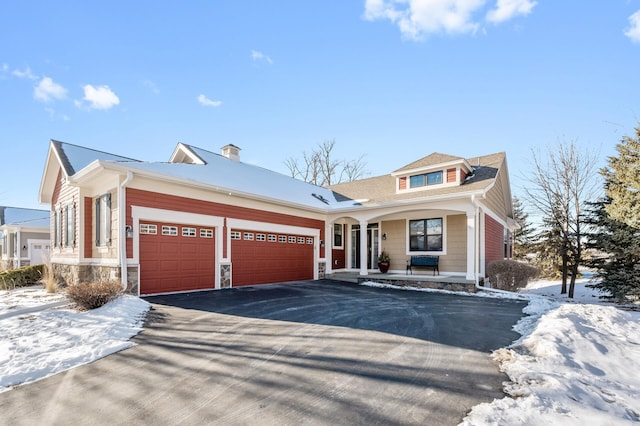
x=321, y=168
x=563, y=184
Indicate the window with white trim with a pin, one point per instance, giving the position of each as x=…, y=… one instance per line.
x=188, y=231
x=337, y=235
x=309, y=240
x=292, y=239
x=170, y=230
x=235, y=235
x=103, y=220
x=272, y=238
x=261, y=237
x=57, y=228
x=300, y=240
x=426, y=179
x=70, y=226
x=426, y=234
x=282, y=238
x=206, y=233
x=248, y=236
x=148, y=229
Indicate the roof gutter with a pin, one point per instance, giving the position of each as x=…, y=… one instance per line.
x=122, y=228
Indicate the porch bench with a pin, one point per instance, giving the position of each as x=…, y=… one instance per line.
x=423, y=262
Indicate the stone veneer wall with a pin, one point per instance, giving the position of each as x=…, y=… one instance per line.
x=68, y=275
x=225, y=276
x=322, y=270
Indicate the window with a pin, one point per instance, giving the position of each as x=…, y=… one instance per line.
x=261, y=237
x=292, y=239
x=57, y=228
x=172, y=231
x=272, y=238
x=300, y=240
x=282, y=238
x=103, y=220
x=425, y=235
x=148, y=228
x=337, y=235
x=206, y=233
x=70, y=226
x=433, y=178
x=309, y=240
x=248, y=236
x=188, y=232
x=235, y=235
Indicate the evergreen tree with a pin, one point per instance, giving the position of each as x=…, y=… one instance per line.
x=616, y=247
x=547, y=249
x=623, y=182
x=522, y=237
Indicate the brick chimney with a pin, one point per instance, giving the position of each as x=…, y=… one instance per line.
x=231, y=151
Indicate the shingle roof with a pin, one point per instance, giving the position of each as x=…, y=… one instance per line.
x=383, y=188
x=430, y=160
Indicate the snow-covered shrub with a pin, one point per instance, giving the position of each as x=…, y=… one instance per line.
x=93, y=295
x=510, y=275
x=27, y=275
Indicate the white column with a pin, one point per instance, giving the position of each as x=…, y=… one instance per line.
x=363, y=248
x=19, y=244
x=471, y=245
x=328, y=244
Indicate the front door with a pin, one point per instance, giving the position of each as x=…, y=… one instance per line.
x=372, y=246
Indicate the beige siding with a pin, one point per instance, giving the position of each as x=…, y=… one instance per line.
x=65, y=196
x=495, y=198
x=395, y=243
x=456, y=258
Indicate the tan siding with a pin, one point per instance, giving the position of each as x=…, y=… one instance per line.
x=395, y=244
x=63, y=196
x=495, y=199
x=456, y=258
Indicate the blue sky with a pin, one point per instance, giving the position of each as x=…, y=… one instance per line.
x=391, y=80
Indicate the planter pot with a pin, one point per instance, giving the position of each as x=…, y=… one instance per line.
x=383, y=266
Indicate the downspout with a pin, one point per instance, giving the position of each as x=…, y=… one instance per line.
x=122, y=222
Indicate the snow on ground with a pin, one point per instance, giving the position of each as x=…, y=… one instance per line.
x=577, y=362
x=41, y=335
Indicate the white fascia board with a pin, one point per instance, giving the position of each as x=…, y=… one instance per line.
x=184, y=149
x=432, y=167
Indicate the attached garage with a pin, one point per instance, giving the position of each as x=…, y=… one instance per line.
x=262, y=257
x=176, y=257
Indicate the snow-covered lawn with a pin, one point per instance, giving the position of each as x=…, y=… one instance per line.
x=41, y=335
x=577, y=362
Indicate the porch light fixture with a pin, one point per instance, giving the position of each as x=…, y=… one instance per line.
x=129, y=231
x=384, y=236
x=321, y=243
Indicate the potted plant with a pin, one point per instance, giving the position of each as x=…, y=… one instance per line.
x=383, y=262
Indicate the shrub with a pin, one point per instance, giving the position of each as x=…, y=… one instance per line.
x=93, y=295
x=510, y=275
x=27, y=275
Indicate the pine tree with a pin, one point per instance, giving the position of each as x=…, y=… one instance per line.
x=623, y=182
x=616, y=220
x=616, y=258
x=522, y=237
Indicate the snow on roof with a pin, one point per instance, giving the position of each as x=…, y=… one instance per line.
x=75, y=158
x=234, y=176
x=24, y=217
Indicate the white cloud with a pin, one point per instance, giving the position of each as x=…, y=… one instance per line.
x=151, y=86
x=208, y=102
x=634, y=31
x=417, y=19
x=101, y=97
x=48, y=90
x=259, y=56
x=25, y=74
x=508, y=9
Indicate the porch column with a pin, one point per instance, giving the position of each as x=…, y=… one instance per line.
x=364, y=267
x=328, y=245
x=19, y=247
x=471, y=245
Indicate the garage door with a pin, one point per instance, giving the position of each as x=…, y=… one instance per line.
x=176, y=257
x=262, y=258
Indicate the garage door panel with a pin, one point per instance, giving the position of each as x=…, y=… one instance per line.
x=170, y=263
x=261, y=262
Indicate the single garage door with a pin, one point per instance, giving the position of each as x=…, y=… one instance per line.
x=262, y=258
x=176, y=257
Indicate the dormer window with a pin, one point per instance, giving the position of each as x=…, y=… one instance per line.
x=433, y=178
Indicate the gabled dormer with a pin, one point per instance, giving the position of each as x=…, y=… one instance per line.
x=433, y=171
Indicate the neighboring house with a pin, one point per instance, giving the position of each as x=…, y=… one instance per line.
x=24, y=237
x=204, y=220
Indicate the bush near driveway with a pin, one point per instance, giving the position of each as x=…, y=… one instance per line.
x=21, y=277
x=510, y=275
x=88, y=296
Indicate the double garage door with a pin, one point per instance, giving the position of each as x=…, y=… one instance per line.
x=175, y=257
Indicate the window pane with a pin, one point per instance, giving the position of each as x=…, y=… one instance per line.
x=434, y=243
x=337, y=235
x=434, y=226
x=415, y=181
x=434, y=178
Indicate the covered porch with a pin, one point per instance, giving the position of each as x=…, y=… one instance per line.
x=437, y=282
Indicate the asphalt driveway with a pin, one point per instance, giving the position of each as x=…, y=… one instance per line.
x=317, y=352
